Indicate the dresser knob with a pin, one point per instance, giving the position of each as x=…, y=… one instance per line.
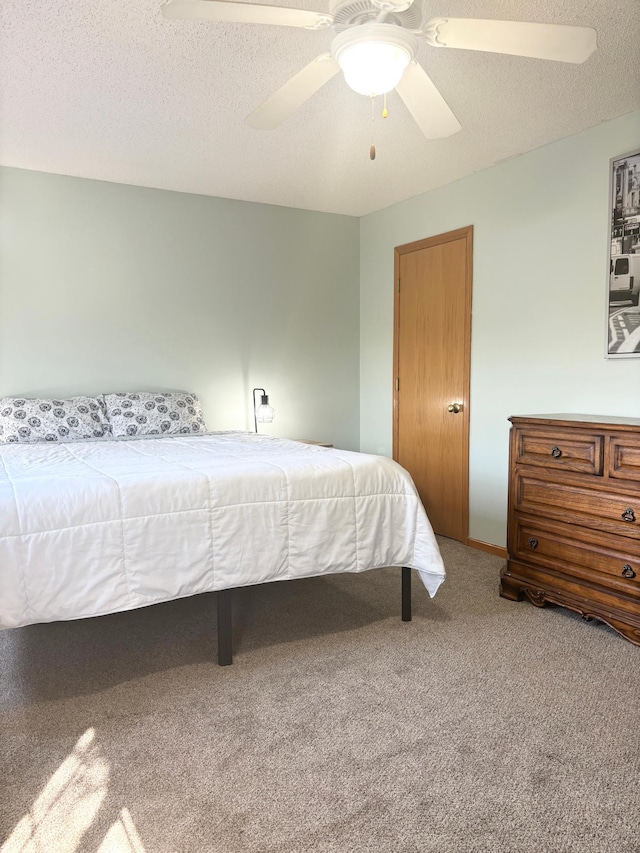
x=533, y=543
x=627, y=571
x=629, y=514
x=556, y=452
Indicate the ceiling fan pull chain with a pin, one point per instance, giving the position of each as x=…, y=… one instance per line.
x=372, y=149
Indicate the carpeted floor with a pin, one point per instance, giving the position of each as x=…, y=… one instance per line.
x=483, y=725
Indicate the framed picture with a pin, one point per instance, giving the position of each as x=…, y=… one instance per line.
x=623, y=274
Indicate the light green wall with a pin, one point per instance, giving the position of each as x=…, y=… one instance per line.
x=106, y=287
x=539, y=300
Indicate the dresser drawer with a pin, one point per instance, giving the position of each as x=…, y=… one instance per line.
x=624, y=458
x=597, y=508
x=597, y=557
x=581, y=452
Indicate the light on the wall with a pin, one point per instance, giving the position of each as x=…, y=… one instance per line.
x=263, y=412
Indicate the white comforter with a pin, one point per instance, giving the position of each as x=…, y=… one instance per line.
x=95, y=527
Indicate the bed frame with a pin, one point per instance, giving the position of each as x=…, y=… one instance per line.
x=225, y=621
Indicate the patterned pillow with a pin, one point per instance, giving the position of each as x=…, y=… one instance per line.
x=25, y=419
x=148, y=413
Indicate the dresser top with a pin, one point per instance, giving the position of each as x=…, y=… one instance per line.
x=575, y=420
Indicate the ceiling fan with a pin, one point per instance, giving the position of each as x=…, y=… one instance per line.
x=375, y=47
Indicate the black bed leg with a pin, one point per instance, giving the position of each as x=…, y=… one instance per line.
x=225, y=635
x=406, y=594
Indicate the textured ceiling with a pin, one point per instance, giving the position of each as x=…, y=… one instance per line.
x=109, y=89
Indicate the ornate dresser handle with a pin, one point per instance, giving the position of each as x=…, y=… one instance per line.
x=629, y=515
x=556, y=452
x=627, y=571
x=533, y=543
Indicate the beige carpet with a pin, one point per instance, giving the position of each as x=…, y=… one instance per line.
x=483, y=725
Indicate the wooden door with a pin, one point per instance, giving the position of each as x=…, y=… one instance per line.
x=432, y=343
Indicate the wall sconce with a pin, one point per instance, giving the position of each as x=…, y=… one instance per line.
x=262, y=413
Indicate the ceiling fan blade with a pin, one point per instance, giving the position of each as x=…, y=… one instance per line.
x=294, y=93
x=245, y=13
x=429, y=109
x=542, y=41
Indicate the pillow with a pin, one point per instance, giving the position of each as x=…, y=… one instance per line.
x=147, y=413
x=24, y=419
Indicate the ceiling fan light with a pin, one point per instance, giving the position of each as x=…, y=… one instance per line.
x=371, y=68
x=373, y=57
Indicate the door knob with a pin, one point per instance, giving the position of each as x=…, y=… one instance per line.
x=454, y=407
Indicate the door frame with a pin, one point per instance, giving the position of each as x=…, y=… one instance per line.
x=465, y=233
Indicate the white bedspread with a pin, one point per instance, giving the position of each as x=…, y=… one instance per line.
x=95, y=527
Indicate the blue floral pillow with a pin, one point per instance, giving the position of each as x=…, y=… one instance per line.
x=24, y=419
x=149, y=413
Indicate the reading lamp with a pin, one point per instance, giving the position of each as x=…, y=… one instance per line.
x=262, y=413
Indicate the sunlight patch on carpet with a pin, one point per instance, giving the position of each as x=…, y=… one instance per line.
x=122, y=836
x=67, y=806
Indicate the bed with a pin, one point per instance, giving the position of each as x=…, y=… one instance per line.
x=103, y=525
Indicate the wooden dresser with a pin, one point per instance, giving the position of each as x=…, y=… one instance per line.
x=574, y=516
